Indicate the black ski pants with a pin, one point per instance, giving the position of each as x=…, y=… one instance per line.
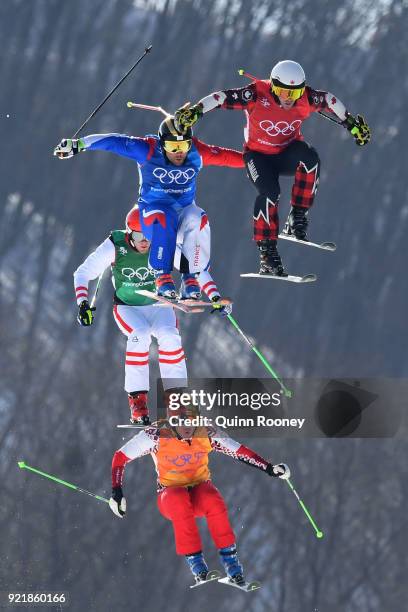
x=298, y=159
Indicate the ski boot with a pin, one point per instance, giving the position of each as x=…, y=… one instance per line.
x=297, y=223
x=139, y=412
x=232, y=566
x=198, y=566
x=165, y=286
x=190, y=288
x=271, y=262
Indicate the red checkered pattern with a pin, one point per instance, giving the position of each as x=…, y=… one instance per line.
x=305, y=186
x=266, y=226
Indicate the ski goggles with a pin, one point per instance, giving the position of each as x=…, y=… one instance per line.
x=284, y=92
x=176, y=146
x=137, y=236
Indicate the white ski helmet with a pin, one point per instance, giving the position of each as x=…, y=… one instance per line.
x=288, y=75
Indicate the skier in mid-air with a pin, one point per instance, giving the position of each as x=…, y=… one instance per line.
x=274, y=146
x=185, y=491
x=168, y=167
x=127, y=253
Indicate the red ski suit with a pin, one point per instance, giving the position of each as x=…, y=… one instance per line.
x=274, y=145
x=270, y=128
x=185, y=490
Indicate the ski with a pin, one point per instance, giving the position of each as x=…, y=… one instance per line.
x=325, y=246
x=247, y=586
x=201, y=303
x=212, y=575
x=183, y=305
x=307, y=278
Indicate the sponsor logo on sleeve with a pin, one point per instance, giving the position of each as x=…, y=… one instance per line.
x=247, y=95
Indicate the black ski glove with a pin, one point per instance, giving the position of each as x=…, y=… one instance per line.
x=280, y=470
x=186, y=116
x=85, y=315
x=358, y=127
x=117, y=502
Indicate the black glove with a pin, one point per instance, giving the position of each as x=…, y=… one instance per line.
x=85, y=315
x=280, y=470
x=187, y=116
x=117, y=502
x=358, y=127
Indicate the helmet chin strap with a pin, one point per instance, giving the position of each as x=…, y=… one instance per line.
x=130, y=240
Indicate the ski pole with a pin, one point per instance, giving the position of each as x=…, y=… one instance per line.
x=287, y=392
x=22, y=465
x=242, y=72
x=148, y=107
x=330, y=118
x=319, y=534
x=98, y=284
x=146, y=51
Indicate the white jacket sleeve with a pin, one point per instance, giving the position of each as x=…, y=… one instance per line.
x=141, y=444
x=92, y=267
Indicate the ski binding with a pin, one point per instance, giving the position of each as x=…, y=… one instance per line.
x=307, y=278
x=246, y=586
x=212, y=575
x=325, y=246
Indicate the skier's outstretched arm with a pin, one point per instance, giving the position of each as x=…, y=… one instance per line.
x=126, y=146
x=328, y=105
x=142, y=444
x=222, y=443
x=240, y=98
x=213, y=155
x=93, y=266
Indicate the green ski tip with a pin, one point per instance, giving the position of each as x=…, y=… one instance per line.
x=319, y=534
x=288, y=393
x=21, y=464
